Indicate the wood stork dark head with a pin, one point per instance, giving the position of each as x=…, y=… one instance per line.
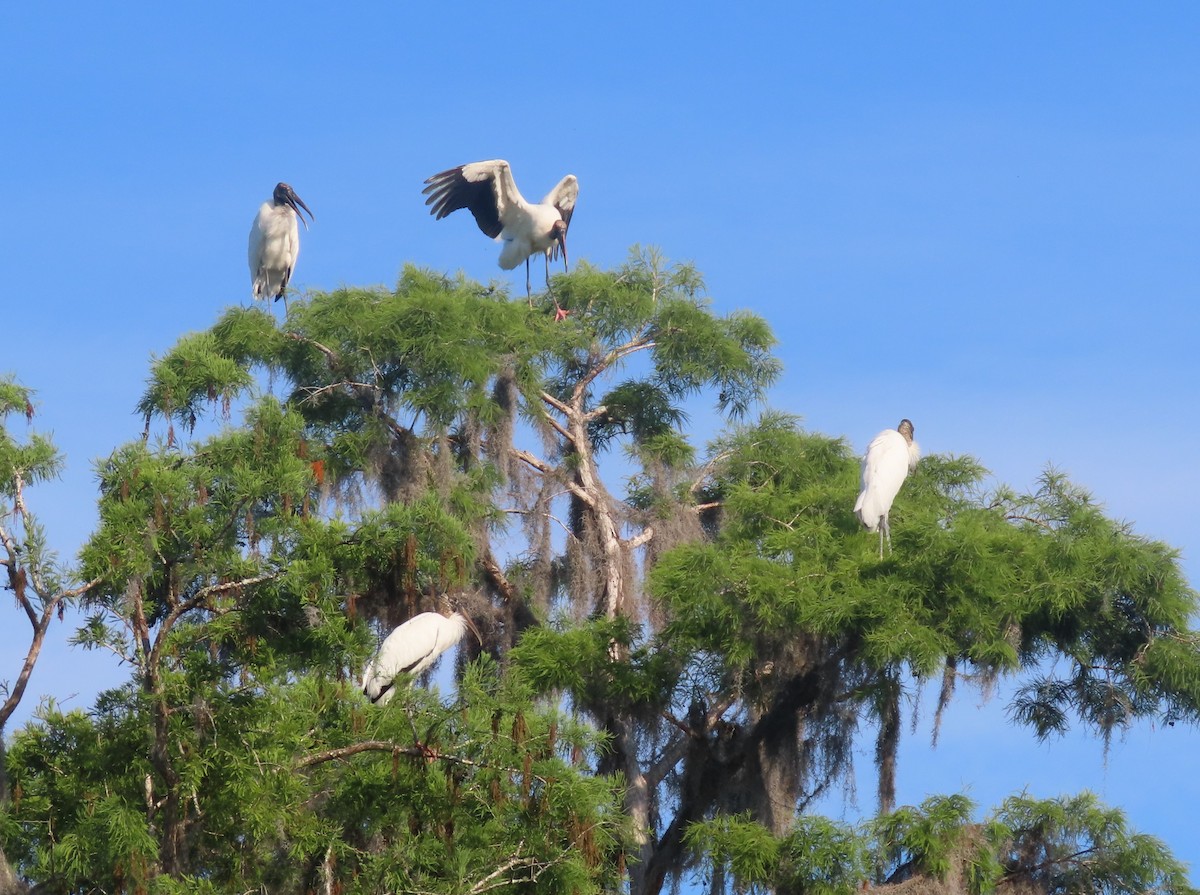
x=558, y=232
x=285, y=195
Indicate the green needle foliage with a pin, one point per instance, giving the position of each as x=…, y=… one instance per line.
x=1072, y=845
x=682, y=633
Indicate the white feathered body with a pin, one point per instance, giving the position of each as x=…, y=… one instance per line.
x=527, y=233
x=889, y=459
x=410, y=649
x=274, y=248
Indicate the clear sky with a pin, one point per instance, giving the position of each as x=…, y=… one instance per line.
x=978, y=216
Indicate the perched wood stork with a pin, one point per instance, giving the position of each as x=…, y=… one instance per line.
x=411, y=648
x=275, y=242
x=890, y=456
x=489, y=191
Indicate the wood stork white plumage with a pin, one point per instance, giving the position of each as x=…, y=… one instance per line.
x=275, y=242
x=890, y=456
x=411, y=648
x=491, y=194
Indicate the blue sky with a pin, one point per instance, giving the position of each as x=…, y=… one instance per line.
x=978, y=216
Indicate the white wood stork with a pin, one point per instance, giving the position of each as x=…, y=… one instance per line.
x=489, y=191
x=275, y=242
x=411, y=648
x=890, y=456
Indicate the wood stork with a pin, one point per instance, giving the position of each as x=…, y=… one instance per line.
x=275, y=242
x=411, y=648
x=489, y=191
x=890, y=456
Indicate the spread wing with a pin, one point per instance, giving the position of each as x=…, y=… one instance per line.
x=563, y=198
x=486, y=188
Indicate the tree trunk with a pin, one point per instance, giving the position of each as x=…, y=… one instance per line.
x=10, y=884
x=643, y=878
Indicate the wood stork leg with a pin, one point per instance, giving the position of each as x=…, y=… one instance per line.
x=885, y=533
x=528, y=287
x=560, y=312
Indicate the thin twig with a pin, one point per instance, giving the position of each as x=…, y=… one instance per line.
x=550, y=516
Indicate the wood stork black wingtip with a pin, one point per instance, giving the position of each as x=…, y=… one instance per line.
x=443, y=176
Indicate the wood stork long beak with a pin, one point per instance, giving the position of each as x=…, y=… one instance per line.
x=471, y=627
x=562, y=244
x=297, y=203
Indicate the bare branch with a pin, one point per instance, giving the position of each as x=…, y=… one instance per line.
x=707, y=470
x=550, y=516
x=642, y=537
x=330, y=354
x=312, y=393
x=495, y=574
x=558, y=405
x=675, y=751
x=40, y=624
x=1019, y=517
x=621, y=351
x=419, y=750
x=232, y=585
x=530, y=460
x=546, y=469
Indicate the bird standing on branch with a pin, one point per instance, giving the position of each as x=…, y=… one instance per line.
x=890, y=456
x=411, y=648
x=491, y=194
x=275, y=242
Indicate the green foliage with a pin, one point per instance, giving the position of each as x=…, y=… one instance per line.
x=1068, y=845
x=193, y=372
x=69, y=811
x=1076, y=844
x=41, y=588
x=925, y=840
x=22, y=463
x=599, y=662
x=175, y=526
x=818, y=856
x=1000, y=581
x=372, y=447
x=367, y=362
x=303, y=780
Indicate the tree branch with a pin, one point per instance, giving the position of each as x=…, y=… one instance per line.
x=420, y=750
x=642, y=537
x=496, y=575
x=546, y=469
x=232, y=585
x=530, y=460
x=616, y=354
x=558, y=405
x=550, y=516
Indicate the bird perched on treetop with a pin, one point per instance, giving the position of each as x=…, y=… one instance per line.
x=275, y=242
x=411, y=648
x=890, y=456
x=491, y=194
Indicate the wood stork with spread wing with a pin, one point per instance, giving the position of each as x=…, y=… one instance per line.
x=275, y=242
x=491, y=194
x=890, y=456
x=411, y=648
